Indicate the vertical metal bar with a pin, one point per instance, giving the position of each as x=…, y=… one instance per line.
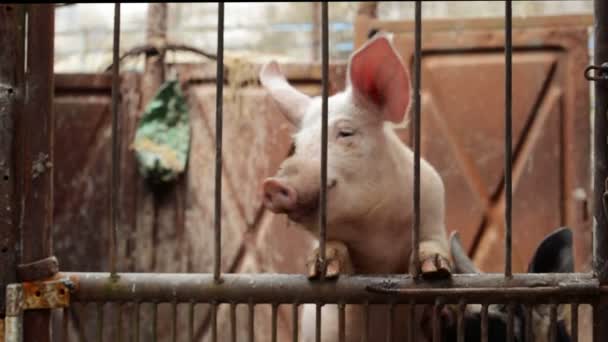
x=119, y=331
x=12, y=34
x=100, y=322
x=214, y=322
x=391, y=323
x=191, y=322
x=219, y=122
x=174, y=321
x=529, y=324
x=115, y=142
x=154, y=322
x=325, y=93
x=510, y=317
x=251, y=321
x=508, y=136
x=436, y=321
x=36, y=155
x=574, y=321
x=341, y=322
x=600, y=167
x=318, y=323
x=136, y=322
x=294, y=312
x=365, y=336
x=553, y=323
x=411, y=324
x=233, y=322
x=460, y=321
x=65, y=324
x=417, y=125
x=274, y=322
x=484, y=323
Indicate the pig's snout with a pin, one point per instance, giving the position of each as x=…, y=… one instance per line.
x=278, y=196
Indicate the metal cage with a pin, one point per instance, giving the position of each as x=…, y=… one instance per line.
x=28, y=303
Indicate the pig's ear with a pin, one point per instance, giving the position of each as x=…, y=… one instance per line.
x=377, y=76
x=554, y=254
x=290, y=101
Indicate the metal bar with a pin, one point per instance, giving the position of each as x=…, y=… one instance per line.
x=251, y=321
x=325, y=93
x=355, y=289
x=274, y=323
x=119, y=332
x=65, y=324
x=219, y=121
x=37, y=139
x=214, y=322
x=600, y=169
x=136, y=323
x=510, y=317
x=341, y=322
x=115, y=180
x=100, y=322
x=484, y=323
x=411, y=324
x=553, y=323
x=233, y=322
x=318, y=323
x=417, y=126
x=529, y=324
x=391, y=321
x=294, y=312
x=436, y=321
x=574, y=321
x=174, y=321
x=154, y=322
x=12, y=34
x=508, y=136
x=460, y=320
x=365, y=336
x=191, y=322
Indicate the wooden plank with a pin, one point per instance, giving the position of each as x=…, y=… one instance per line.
x=12, y=30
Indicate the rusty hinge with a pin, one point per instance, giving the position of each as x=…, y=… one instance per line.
x=601, y=72
x=48, y=294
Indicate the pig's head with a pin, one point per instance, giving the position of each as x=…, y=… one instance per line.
x=377, y=92
x=553, y=255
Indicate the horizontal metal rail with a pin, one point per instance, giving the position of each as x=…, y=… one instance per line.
x=284, y=288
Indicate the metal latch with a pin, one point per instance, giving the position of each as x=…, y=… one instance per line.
x=49, y=294
x=601, y=72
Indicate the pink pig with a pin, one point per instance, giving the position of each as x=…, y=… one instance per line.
x=369, y=182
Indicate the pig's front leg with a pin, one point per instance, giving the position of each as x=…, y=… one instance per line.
x=337, y=260
x=434, y=254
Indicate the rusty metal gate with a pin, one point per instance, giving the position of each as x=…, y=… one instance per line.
x=37, y=287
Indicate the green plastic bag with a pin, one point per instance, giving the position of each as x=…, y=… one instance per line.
x=162, y=140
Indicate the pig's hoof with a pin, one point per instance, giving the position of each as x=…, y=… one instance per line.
x=435, y=267
x=336, y=260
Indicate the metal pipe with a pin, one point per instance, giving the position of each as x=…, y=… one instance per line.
x=600, y=169
x=391, y=320
x=294, y=311
x=214, y=322
x=318, y=323
x=417, y=61
x=100, y=322
x=285, y=288
x=411, y=324
x=325, y=94
x=574, y=321
x=274, y=323
x=233, y=322
x=365, y=337
x=136, y=319
x=460, y=320
x=342, y=322
x=173, y=321
x=154, y=322
x=508, y=136
x=484, y=323
x=115, y=180
x=553, y=323
x=510, y=318
x=251, y=321
x=529, y=324
x=219, y=122
x=437, y=321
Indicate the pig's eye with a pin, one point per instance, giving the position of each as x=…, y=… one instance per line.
x=344, y=133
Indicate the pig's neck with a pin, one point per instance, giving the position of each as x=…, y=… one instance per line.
x=382, y=240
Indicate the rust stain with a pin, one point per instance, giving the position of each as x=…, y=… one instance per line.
x=46, y=295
